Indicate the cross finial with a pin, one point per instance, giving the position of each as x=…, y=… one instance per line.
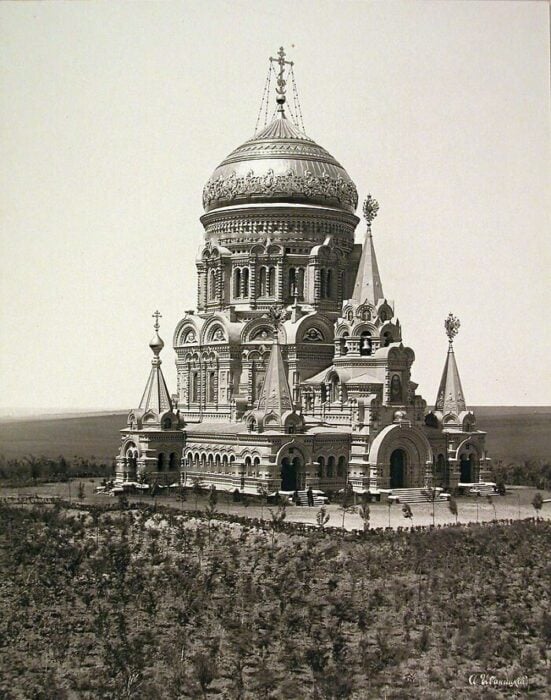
x=281, y=82
x=156, y=316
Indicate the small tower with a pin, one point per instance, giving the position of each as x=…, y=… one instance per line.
x=275, y=409
x=466, y=452
x=152, y=441
x=366, y=322
x=368, y=286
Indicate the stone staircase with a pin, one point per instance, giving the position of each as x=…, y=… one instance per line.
x=318, y=500
x=415, y=495
x=482, y=489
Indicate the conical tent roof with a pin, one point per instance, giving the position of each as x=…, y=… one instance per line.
x=156, y=397
x=368, y=285
x=450, y=397
x=275, y=396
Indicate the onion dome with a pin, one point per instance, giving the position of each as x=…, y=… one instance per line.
x=156, y=343
x=280, y=164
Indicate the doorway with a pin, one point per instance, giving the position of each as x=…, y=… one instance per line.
x=288, y=475
x=397, y=469
x=466, y=476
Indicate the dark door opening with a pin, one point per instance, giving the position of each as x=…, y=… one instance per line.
x=466, y=470
x=397, y=469
x=288, y=475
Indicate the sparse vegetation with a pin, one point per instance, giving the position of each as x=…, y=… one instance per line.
x=140, y=604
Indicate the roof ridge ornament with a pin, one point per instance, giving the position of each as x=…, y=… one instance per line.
x=276, y=316
x=452, y=325
x=370, y=209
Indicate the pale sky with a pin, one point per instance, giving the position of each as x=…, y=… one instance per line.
x=115, y=114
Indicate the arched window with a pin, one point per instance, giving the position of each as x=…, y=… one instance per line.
x=204, y=461
x=341, y=466
x=172, y=461
x=365, y=344
x=225, y=463
x=211, y=392
x=217, y=463
x=387, y=338
x=256, y=466
x=210, y=464
x=212, y=285
x=262, y=282
x=271, y=281
x=245, y=281
x=167, y=423
x=334, y=388
x=237, y=283
x=300, y=283
x=194, y=387
x=321, y=465
x=248, y=465
x=323, y=393
x=330, y=467
x=329, y=284
x=292, y=281
x=160, y=462
x=197, y=460
x=323, y=284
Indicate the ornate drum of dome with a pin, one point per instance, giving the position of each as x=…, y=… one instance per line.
x=280, y=164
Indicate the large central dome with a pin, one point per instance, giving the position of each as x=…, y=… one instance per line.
x=280, y=164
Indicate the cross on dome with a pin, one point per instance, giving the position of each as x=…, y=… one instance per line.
x=281, y=82
x=157, y=315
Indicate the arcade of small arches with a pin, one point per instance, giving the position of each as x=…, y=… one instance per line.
x=164, y=461
x=216, y=462
x=365, y=340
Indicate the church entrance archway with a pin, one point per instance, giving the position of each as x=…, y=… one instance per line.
x=288, y=475
x=397, y=469
x=291, y=474
x=466, y=470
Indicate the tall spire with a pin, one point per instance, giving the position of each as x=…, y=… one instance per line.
x=368, y=285
x=156, y=397
x=450, y=397
x=275, y=396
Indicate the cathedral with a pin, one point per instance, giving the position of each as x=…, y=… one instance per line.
x=292, y=372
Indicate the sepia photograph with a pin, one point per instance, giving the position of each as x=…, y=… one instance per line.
x=275, y=419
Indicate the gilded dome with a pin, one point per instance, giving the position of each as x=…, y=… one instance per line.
x=280, y=164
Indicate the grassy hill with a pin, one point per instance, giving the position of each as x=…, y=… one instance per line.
x=84, y=436
x=514, y=434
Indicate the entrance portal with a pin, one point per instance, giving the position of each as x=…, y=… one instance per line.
x=290, y=477
x=397, y=469
x=466, y=470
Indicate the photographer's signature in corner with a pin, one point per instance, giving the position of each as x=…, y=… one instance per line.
x=491, y=680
